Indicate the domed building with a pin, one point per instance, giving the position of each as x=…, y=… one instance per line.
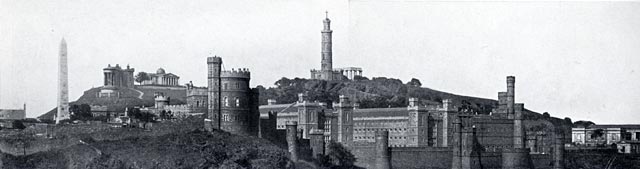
x=162, y=78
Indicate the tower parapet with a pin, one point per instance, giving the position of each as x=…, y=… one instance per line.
x=236, y=73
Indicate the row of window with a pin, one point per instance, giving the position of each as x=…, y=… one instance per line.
x=393, y=138
x=387, y=122
x=380, y=129
x=225, y=86
x=226, y=117
x=225, y=102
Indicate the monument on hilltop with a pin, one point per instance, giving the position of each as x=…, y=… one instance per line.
x=327, y=72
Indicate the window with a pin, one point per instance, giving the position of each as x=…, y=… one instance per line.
x=225, y=86
x=225, y=117
x=237, y=85
x=237, y=102
x=226, y=101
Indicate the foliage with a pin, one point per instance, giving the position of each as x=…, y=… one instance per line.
x=379, y=92
x=80, y=112
x=597, y=133
x=414, y=82
x=358, y=78
x=568, y=120
x=17, y=124
x=583, y=123
x=141, y=77
x=546, y=115
x=338, y=157
x=142, y=116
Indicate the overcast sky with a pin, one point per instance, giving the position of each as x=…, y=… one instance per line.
x=575, y=59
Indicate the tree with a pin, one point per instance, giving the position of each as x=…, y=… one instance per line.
x=283, y=82
x=337, y=157
x=17, y=124
x=597, y=133
x=568, y=120
x=414, y=82
x=142, y=116
x=583, y=124
x=141, y=77
x=546, y=115
x=80, y=112
x=359, y=78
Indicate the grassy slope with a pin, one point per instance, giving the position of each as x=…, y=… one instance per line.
x=128, y=98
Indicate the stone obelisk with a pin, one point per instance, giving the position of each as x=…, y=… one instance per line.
x=63, y=87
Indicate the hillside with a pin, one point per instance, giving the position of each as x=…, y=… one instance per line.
x=374, y=93
x=195, y=149
x=138, y=96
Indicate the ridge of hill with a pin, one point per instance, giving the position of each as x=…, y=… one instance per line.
x=140, y=95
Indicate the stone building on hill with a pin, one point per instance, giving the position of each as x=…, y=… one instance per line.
x=162, y=78
x=118, y=77
x=441, y=135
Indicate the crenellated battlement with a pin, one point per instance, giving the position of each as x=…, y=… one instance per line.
x=237, y=73
x=214, y=59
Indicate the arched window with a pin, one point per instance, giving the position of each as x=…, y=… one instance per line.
x=237, y=102
x=226, y=101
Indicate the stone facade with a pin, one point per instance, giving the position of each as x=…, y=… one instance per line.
x=118, y=77
x=472, y=140
x=13, y=114
x=232, y=104
x=162, y=78
x=626, y=137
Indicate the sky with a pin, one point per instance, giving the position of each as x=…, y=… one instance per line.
x=571, y=59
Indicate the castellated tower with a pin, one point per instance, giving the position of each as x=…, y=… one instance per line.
x=232, y=104
x=236, y=99
x=214, y=66
x=63, y=88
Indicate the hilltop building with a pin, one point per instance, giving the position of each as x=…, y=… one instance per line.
x=117, y=77
x=162, y=78
x=327, y=72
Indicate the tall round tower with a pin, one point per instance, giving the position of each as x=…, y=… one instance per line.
x=236, y=98
x=326, y=46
